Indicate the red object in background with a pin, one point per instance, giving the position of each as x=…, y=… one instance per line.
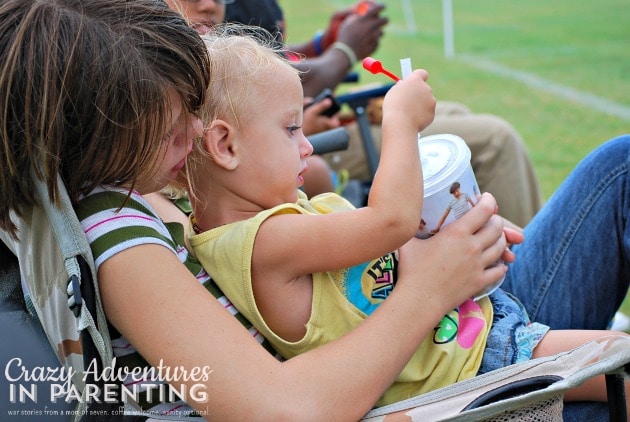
x=362, y=7
x=333, y=30
x=375, y=67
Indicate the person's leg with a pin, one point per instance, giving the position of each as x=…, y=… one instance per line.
x=499, y=159
x=451, y=108
x=591, y=411
x=558, y=341
x=572, y=270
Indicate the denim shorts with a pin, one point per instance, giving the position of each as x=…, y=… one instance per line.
x=512, y=336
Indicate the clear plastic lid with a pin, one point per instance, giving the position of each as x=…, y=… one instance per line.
x=444, y=158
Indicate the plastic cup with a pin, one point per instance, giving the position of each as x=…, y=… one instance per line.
x=450, y=187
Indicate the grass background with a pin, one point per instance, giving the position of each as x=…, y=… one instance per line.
x=582, y=46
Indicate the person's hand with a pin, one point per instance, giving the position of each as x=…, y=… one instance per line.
x=512, y=237
x=315, y=122
x=331, y=33
x=361, y=33
x=411, y=98
x=460, y=261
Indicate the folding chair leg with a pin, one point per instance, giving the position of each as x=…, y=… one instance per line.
x=358, y=102
x=616, y=392
x=368, y=141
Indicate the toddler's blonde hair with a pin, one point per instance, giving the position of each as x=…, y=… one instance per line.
x=241, y=58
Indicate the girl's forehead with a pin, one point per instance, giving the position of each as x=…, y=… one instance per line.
x=176, y=112
x=174, y=100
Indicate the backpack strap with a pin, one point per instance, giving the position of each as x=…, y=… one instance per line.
x=83, y=297
x=74, y=247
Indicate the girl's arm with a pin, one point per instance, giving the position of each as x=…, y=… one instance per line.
x=343, y=239
x=152, y=299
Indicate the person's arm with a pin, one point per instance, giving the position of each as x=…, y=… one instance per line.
x=360, y=34
x=322, y=39
x=152, y=299
x=390, y=218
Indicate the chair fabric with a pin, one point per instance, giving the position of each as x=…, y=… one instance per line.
x=609, y=354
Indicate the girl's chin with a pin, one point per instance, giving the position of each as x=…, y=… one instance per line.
x=178, y=168
x=203, y=29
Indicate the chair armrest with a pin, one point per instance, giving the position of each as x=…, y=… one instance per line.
x=361, y=97
x=331, y=140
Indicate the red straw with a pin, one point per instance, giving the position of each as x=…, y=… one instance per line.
x=374, y=66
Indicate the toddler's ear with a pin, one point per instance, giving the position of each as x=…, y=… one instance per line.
x=219, y=143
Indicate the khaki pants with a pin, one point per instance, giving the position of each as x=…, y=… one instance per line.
x=499, y=158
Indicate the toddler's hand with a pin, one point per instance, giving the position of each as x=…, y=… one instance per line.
x=460, y=261
x=412, y=98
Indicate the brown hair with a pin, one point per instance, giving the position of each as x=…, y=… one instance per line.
x=454, y=187
x=84, y=92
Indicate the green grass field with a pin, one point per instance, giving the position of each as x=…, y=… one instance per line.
x=558, y=71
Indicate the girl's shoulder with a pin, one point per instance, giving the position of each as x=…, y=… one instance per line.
x=106, y=201
x=115, y=220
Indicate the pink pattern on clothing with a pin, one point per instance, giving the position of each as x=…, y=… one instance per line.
x=107, y=220
x=471, y=322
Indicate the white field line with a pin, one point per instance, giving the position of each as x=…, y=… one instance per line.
x=589, y=100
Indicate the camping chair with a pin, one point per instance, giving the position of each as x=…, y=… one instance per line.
x=528, y=391
x=356, y=191
x=28, y=343
x=358, y=102
x=53, y=270
x=329, y=141
x=62, y=298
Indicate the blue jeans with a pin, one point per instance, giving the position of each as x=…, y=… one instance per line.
x=573, y=269
x=504, y=346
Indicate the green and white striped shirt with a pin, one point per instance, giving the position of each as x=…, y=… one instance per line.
x=114, y=222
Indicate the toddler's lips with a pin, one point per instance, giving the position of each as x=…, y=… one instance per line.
x=301, y=176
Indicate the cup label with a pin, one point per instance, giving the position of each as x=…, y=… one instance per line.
x=448, y=204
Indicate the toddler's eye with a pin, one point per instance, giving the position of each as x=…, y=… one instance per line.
x=292, y=129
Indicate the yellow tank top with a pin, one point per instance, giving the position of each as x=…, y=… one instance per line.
x=343, y=299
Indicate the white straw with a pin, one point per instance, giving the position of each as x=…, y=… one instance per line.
x=405, y=67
